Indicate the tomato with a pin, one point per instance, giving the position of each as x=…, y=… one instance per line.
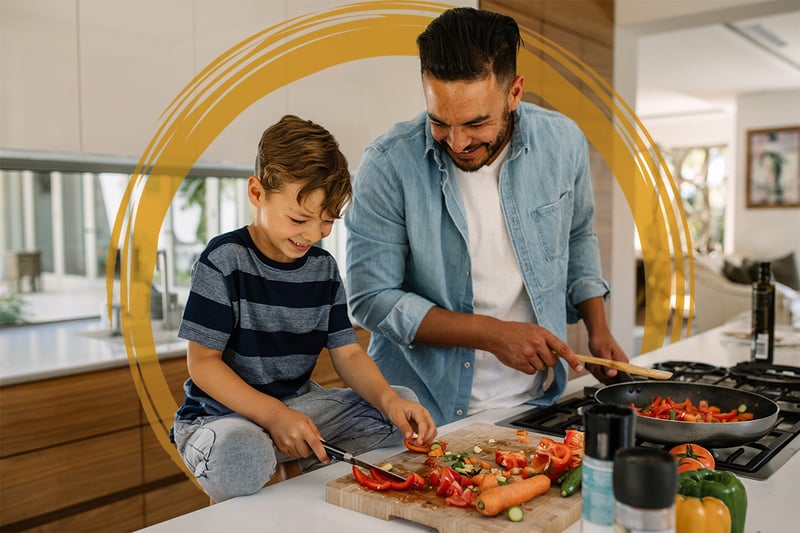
x=688, y=463
x=466, y=498
x=509, y=460
x=689, y=453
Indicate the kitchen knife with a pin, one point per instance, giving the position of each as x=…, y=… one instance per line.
x=341, y=455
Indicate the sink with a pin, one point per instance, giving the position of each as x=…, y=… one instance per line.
x=160, y=335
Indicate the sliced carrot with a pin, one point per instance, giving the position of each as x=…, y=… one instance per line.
x=524, y=440
x=485, y=465
x=494, y=501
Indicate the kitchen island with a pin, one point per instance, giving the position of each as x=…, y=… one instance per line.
x=299, y=504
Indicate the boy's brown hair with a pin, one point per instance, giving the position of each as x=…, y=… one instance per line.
x=296, y=150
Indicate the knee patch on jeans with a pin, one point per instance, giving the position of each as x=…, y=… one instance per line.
x=229, y=464
x=197, y=451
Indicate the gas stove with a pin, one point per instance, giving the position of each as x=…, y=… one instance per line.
x=757, y=460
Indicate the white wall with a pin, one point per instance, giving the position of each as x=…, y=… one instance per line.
x=93, y=76
x=764, y=232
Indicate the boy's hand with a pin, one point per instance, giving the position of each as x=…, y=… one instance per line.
x=295, y=434
x=411, y=419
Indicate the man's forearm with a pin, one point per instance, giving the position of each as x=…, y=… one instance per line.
x=441, y=327
x=593, y=313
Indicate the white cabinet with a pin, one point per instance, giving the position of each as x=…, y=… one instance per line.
x=135, y=57
x=39, y=91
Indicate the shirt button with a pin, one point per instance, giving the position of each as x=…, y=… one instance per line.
x=467, y=273
x=467, y=365
x=459, y=412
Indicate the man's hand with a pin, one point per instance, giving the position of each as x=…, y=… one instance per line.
x=530, y=348
x=604, y=345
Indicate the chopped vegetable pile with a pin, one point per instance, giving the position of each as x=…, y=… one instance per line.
x=466, y=480
x=686, y=411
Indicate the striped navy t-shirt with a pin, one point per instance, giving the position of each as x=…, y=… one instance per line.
x=269, y=319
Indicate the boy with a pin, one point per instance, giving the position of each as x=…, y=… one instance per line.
x=263, y=303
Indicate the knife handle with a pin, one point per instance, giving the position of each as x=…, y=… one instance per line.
x=334, y=453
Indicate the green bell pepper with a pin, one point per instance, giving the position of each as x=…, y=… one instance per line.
x=719, y=484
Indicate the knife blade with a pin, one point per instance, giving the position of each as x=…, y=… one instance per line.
x=341, y=455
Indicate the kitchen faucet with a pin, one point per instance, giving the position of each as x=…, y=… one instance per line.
x=168, y=306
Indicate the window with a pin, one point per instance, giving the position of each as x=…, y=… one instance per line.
x=64, y=208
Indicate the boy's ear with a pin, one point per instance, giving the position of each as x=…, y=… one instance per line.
x=255, y=192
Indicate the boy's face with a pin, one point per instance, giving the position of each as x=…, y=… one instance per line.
x=471, y=119
x=284, y=229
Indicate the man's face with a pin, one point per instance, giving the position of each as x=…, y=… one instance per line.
x=471, y=119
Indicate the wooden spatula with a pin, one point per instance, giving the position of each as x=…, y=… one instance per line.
x=626, y=367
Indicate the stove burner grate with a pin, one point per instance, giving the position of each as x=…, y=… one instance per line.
x=767, y=374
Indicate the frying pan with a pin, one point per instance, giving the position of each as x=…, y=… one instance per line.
x=712, y=435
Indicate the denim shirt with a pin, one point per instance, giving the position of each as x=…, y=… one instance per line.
x=407, y=247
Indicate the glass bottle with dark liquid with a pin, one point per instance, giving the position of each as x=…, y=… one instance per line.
x=763, y=321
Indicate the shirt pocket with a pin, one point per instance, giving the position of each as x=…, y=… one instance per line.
x=553, y=222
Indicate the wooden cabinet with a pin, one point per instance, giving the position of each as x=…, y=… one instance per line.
x=77, y=453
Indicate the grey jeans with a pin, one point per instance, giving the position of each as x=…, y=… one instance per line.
x=231, y=456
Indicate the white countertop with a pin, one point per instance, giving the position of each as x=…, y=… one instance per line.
x=34, y=352
x=298, y=504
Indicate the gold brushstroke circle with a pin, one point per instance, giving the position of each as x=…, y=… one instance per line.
x=304, y=45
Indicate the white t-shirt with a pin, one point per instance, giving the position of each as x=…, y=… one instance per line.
x=497, y=285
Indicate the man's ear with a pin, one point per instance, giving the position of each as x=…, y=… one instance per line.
x=515, y=94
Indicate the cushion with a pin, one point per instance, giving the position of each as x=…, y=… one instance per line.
x=741, y=273
x=784, y=270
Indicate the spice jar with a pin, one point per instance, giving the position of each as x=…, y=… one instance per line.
x=607, y=428
x=645, y=486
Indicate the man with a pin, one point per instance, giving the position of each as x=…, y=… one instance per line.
x=470, y=235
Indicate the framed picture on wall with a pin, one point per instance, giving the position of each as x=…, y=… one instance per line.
x=773, y=170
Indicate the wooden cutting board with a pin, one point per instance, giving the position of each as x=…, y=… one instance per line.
x=548, y=513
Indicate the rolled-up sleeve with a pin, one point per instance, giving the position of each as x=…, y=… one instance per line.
x=584, y=276
x=377, y=252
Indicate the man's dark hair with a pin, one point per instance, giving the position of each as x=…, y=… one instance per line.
x=467, y=44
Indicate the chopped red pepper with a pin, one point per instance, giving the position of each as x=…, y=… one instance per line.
x=510, y=460
x=369, y=481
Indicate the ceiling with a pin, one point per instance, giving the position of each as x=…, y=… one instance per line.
x=702, y=69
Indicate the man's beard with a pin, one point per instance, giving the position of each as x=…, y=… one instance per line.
x=492, y=148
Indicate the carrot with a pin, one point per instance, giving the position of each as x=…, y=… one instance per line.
x=494, y=501
x=488, y=481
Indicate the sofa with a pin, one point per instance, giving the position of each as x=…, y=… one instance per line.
x=723, y=289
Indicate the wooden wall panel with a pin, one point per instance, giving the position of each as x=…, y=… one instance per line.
x=593, y=19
